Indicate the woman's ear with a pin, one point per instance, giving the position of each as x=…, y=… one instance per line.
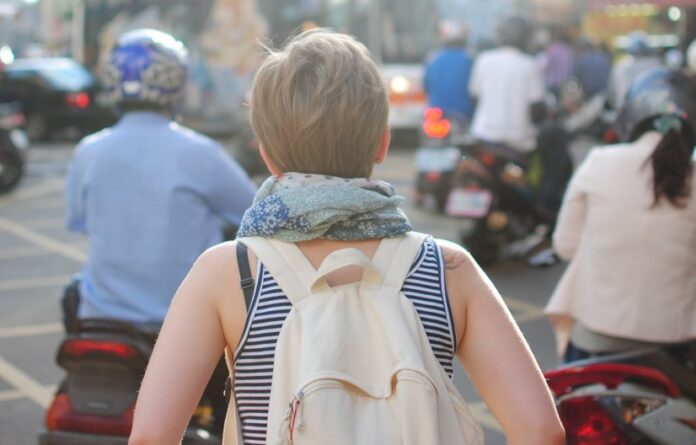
x=275, y=171
x=383, y=148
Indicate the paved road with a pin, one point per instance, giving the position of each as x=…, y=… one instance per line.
x=37, y=257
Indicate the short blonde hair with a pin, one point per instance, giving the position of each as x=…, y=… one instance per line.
x=319, y=105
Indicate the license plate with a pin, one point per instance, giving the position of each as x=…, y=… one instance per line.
x=468, y=203
x=442, y=159
x=19, y=139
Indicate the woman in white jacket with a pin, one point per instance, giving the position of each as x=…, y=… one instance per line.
x=628, y=227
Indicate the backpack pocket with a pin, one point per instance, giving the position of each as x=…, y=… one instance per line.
x=335, y=410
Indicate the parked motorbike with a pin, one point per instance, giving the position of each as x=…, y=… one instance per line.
x=105, y=361
x=13, y=143
x=644, y=397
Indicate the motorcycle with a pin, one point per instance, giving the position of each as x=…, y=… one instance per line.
x=437, y=156
x=491, y=188
x=105, y=361
x=491, y=191
x=13, y=143
x=645, y=397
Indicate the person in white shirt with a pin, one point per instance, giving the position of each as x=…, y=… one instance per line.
x=628, y=225
x=508, y=83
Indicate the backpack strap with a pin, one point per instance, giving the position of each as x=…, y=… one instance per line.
x=286, y=263
x=394, y=257
x=245, y=279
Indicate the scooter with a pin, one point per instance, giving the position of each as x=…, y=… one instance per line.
x=437, y=156
x=13, y=144
x=105, y=361
x=491, y=192
x=644, y=397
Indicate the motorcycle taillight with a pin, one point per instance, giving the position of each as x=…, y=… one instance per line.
x=586, y=423
x=435, y=125
x=61, y=416
x=80, y=348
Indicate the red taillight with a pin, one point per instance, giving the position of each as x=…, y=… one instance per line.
x=435, y=125
x=433, y=176
x=62, y=417
x=78, y=100
x=78, y=348
x=586, y=423
x=487, y=158
x=433, y=114
x=611, y=375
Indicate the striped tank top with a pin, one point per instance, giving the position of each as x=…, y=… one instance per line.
x=253, y=365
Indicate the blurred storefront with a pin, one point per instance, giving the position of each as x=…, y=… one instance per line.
x=665, y=21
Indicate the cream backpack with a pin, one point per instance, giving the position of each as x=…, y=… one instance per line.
x=353, y=364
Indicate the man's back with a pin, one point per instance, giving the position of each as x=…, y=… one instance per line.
x=507, y=82
x=447, y=81
x=592, y=70
x=152, y=196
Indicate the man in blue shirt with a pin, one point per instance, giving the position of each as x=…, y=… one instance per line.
x=592, y=68
x=447, y=74
x=150, y=194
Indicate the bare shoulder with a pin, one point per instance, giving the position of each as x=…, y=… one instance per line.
x=214, y=274
x=468, y=287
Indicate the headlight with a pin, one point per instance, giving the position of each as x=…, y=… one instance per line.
x=400, y=84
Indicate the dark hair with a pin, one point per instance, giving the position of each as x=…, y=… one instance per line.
x=516, y=32
x=131, y=105
x=672, y=166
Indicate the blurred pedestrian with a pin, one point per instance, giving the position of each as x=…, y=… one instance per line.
x=320, y=111
x=448, y=71
x=628, y=227
x=559, y=60
x=508, y=85
x=150, y=194
x=592, y=68
x=640, y=58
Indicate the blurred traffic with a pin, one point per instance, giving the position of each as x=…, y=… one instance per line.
x=493, y=105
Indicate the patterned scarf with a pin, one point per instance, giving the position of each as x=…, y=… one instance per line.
x=299, y=207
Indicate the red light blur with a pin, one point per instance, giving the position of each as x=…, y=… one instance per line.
x=62, y=417
x=487, y=158
x=80, y=347
x=437, y=129
x=433, y=176
x=433, y=114
x=586, y=423
x=79, y=100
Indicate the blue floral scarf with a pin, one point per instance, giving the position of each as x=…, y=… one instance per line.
x=299, y=207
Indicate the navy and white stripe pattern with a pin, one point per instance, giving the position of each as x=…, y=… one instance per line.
x=253, y=370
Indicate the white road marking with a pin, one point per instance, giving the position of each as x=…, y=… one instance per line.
x=64, y=249
x=31, y=330
x=523, y=311
x=22, y=252
x=34, y=282
x=41, y=189
x=44, y=223
x=25, y=384
x=13, y=394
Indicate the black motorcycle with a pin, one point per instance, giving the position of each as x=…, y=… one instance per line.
x=13, y=143
x=105, y=361
x=509, y=200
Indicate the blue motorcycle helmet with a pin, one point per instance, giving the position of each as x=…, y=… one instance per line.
x=147, y=67
x=660, y=93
